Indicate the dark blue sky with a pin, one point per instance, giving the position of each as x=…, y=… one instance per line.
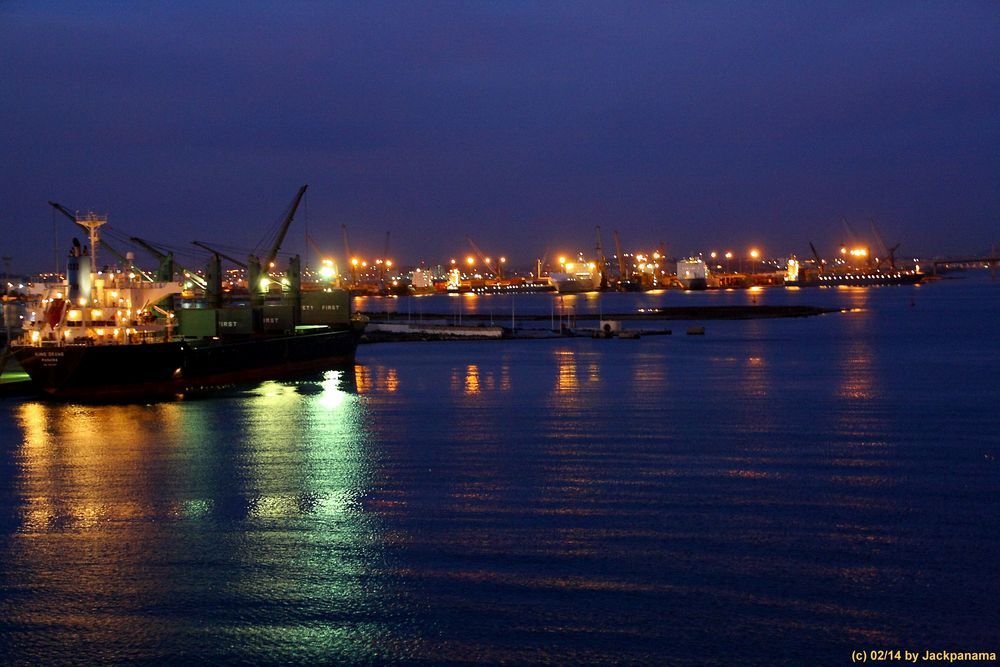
x=703, y=125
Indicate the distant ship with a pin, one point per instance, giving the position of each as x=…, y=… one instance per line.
x=692, y=273
x=115, y=336
x=576, y=277
x=797, y=276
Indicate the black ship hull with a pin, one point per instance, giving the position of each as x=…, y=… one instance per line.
x=151, y=370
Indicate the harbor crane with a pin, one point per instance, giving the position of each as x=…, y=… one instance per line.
x=383, y=264
x=622, y=267
x=601, y=259
x=347, y=256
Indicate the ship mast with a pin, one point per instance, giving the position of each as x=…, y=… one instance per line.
x=89, y=221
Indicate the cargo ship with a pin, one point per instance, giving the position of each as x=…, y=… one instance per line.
x=799, y=276
x=692, y=273
x=118, y=336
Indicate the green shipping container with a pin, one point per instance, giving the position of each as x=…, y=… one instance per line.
x=331, y=308
x=196, y=322
x=277, y=318
x=232, y=321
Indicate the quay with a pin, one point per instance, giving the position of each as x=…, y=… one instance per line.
x=666, y=313
x=396, y=327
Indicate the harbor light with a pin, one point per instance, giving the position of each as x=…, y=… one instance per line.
x=326, y=269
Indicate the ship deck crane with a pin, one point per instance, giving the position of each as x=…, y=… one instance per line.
x=283, y=229
x=884, y=250
x=482, y=257
x=166, y=259
x=241, y=264
x=315, y=246
x=819, y=261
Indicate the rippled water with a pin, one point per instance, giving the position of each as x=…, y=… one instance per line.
x=777, y=491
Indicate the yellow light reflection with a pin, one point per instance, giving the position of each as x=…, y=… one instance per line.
x=566, y=379
x=472, y=379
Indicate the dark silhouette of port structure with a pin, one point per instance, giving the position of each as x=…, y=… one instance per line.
x=966, y=262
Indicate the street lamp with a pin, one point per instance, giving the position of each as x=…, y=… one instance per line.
x=754, y=254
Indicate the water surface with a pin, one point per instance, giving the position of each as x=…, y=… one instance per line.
x=777, y=491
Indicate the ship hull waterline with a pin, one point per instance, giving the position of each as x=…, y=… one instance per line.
x=872, y=280
x=156, y=370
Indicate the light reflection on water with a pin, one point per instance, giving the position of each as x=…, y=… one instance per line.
x=770, y=492
x=170, y=526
